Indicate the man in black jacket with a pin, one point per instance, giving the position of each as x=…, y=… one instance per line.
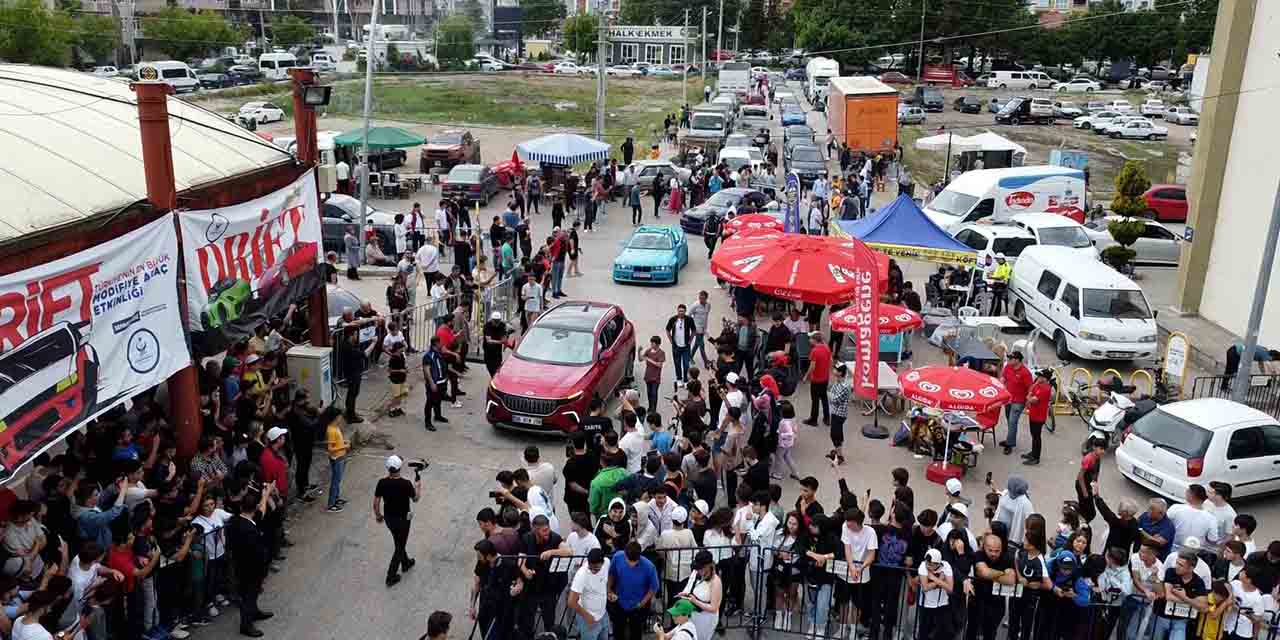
x=353, y=363
x=680, y=331
x=248, y=546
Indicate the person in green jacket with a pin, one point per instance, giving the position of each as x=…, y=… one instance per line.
x=602, y=486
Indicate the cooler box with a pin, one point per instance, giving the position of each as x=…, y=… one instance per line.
x=312, y=369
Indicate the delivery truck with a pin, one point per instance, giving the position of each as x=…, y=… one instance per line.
x=862, y=112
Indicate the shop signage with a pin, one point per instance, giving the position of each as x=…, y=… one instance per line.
x=651, y=34
x=248, y=262
x=83, y=333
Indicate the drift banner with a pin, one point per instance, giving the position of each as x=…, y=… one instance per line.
x=83, y=333
x=249, y=262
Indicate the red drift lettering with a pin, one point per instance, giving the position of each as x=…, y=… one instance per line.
x=46, y=303
x=246, y=255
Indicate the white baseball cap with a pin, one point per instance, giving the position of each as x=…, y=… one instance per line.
x=276, y=432
x=701, y=507
x=394, y=462
x=731, y=378
x=253, y=357
x=679, y=514
x=933, y=555
x=496, y=315
x=960, y=509
x=954, y=486
x=1192, y=543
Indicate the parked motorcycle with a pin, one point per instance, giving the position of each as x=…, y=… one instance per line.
x=1113, y=418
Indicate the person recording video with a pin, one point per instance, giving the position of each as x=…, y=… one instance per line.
x=397, y=493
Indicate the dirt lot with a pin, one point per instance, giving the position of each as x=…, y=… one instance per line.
x=1105, y=155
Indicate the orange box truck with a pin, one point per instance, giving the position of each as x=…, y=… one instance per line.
x=862, y=112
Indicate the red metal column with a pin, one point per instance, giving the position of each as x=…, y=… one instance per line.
x=157, y=162
x=304, y=128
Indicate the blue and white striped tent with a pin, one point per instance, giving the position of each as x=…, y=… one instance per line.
x=565, y=149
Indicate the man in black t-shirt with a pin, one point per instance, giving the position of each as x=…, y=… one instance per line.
x=498, y=582
x=779, y=336
x=391, y=504
x=542, y=587
x=1183, y=596
x=994, y=565
x=495, y=338
x=595, y=425
x=579, y=470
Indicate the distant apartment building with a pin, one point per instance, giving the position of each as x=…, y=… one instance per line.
x=1044, y=6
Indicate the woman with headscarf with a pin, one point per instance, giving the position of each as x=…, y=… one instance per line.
x=1014, y=507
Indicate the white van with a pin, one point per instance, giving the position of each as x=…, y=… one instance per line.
x=177, y=74
x=1019, y=80
x=1087, y=308
x=999, y=194
x=275, y=66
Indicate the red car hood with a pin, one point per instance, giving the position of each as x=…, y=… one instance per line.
x=442, y=147
x=539, y=380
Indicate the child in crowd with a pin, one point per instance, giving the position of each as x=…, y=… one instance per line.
x=787, y=438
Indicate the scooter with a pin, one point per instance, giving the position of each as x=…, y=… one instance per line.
x=1113, y=418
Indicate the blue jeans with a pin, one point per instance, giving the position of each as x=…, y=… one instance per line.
x=597, y=631
x=682, y=357
x=335, y=479
x=1169, y=629
x=819, y=605
x=557, y=277
x=1135, y=609
x=1012, y=414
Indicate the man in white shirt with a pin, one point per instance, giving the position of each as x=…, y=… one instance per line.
x=1190, y=520
x=763, y=535
x=633, y=443
x=428, y=258
x=1247, y=618
x=662, y=509
x=935, y=578
x=1218, y=505
x=343, y=171
x=531, y=292
x=735, y=398
x=542, y=473
x=860, y=546
x=958, y=518
x=1190, y=544
x=442, y=223
x=700, y=311
x=589, y=595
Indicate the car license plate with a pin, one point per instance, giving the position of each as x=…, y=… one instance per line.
x=640, y=276
x=526, y=420
x=1149, y=477
x=1119, y=354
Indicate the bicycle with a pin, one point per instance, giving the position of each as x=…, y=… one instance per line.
x=887, y=401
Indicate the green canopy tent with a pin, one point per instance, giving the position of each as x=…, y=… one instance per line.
x=380, y=138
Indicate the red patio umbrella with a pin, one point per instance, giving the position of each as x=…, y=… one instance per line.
x=953, y=388
x=893, y=319
x=816, y=269
x=752, y=222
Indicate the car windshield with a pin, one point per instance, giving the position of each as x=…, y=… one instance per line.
x=445, y=138
x=723, y=200
x=650, y=241
x=557, y=345
x=462, y=174
x=1011, y=105
x=1122, y=304
x=953, y=203
x=1011, y=247
x=735, y=162
x=971, y=100
x=755, y=112
x=755, y=154
x=707, y=121
x=806, y=154
x=1175, y=435
x=338, y=299
x=1065, y=237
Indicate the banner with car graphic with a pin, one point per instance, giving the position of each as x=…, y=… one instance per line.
x=248, y=262
x=81, y=334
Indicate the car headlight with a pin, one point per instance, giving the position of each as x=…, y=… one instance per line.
x=1089, y=335
x=662, y=267
x=1150, y=338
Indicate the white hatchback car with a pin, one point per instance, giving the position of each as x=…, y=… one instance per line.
x=1057, y=230
x=261, y=112
x=1181, y=115
x=1152, y=108
x=1138, y=129
x=569, y=68
x=1200, y=441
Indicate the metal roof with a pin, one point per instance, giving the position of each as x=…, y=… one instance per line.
x=861, y=85
x=73, y=149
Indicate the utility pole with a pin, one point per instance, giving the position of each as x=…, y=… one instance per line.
x=1240, y=386
x=704, y=45
x=337, y=39
x=684, y=79
x=601, y=44
x=363, y=174
x=920, y=61
x=719, y=32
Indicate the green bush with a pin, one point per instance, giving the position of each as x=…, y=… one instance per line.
x=1118, y=256
x=348, y=55
x=1126, y=231
x=1131, y=183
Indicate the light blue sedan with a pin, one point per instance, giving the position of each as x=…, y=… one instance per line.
x=793, y=116
x=652, y=254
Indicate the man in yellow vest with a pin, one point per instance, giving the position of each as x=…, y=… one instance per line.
x=999, y=284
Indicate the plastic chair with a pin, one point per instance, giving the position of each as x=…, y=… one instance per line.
x=986, y=330
x=391, y=184
x=1027, y=346
x=891, y=348
x=967, y=312
x=375, y=184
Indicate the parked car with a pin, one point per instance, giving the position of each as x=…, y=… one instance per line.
x=1095, y=106
x=213, y=80
x=341, y=211
x=572, y=353
x=244, y=74
x=1166, y=202
x=383, y=159
x=1152, y=108
x=105, y=72
x=470, y=183
x=1156, y=247
x=647, y=169
x=621, y=70
x=570, y=68
x=449, y=148
x=652, y=254
x=1201, y=441
x=967, y=104
x=261, y=112
x=1057, y=230
x=720, y=203
x=797, y=133
x=1078, y=85
x=1120, y=106
x=911, y=115
x=895, y=77
x=990, y=240
x=1139, y=129
x=1020, y=110
x=1107, y=128
x=662, y=71
x=794, y=73
x=807, y=162
x=1181, y=115
x=1067, y=110
x=792, y=116
x=324, y=61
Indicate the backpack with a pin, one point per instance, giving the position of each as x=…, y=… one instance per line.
x=892, y=549
x=712, y=225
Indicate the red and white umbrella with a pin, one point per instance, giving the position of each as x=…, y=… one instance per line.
x=816, y=269
x=752, y=222
x=893, y=319
x=953, y=388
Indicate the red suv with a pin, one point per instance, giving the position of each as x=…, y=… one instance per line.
x=574, y=351
x=1167, y=202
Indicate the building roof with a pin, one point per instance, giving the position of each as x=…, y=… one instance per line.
x=861, y=85
x=76, y=152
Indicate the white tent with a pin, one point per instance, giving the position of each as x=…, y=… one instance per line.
x=989, y=141
x=940, y=142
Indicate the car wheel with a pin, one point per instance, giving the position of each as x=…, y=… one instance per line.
x=1086, y=126
x=1062, y=90
x=1004, y=86
x=1151, y=137
x=1015, y=121
x=1032, y=86
x=675, y=279
x=1088, y=89
x=1115, y=135
x=1060, y=346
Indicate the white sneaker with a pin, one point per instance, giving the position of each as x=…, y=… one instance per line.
x=777, y=619
x=786, y=620
x=221, y=599
x=179, y=634
x=457, y=405
x=213, y=611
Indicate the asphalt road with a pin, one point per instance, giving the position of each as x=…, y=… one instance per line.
x=332, y=583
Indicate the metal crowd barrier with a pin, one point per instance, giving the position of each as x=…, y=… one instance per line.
x=773, y=599
x=1263, y=393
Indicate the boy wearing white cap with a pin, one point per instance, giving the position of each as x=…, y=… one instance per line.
x=936, y=582
x=677, y=546
x=392, y=499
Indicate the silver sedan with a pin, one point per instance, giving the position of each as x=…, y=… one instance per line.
x=1158, y=246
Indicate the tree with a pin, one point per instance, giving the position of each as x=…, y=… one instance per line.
x=97, y=35
x=580, y=35
x=543, y=16
x=1131, y=183
x=455, y=40
x=475, y=13
x=290, y=30
x=182, y=34
x=31, y=33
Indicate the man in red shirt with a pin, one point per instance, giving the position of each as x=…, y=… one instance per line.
x=818, y=375
x=1039, y=402
x=274, y=469
x=1017, y=379
x=452, y=360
